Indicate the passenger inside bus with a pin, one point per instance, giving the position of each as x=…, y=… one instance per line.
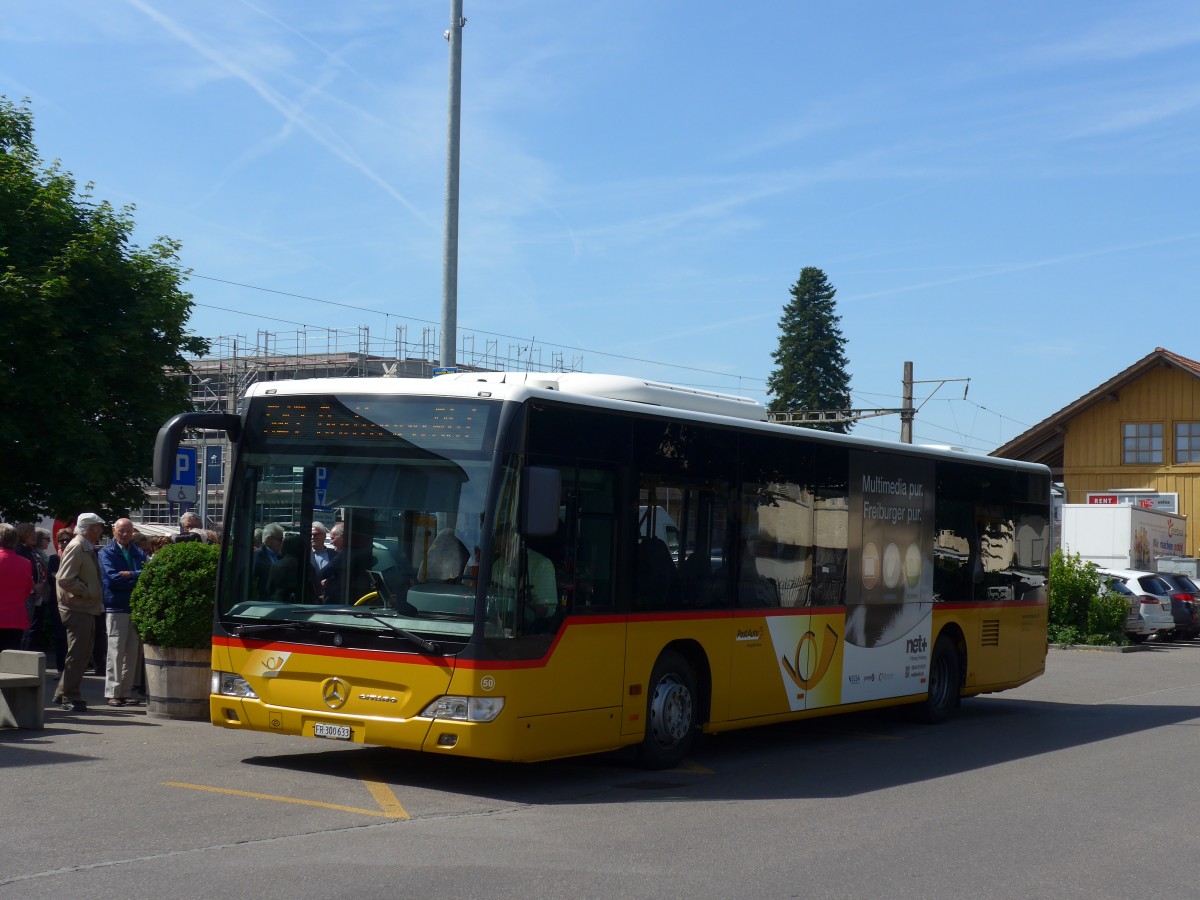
x=265, y=558
x=353, y=564
x=283, y=581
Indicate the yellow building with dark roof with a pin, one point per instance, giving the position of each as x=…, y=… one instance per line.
x=1135, y=438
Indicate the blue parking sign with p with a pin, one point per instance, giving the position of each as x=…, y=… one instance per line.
x=322, y=488
x=183, y=484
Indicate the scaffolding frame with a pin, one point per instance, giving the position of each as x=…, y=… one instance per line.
x=219, y=379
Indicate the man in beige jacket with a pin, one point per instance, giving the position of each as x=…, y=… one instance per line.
x=80, y=601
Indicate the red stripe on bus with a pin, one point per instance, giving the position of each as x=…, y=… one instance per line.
x=340, y=652
x=992, y=604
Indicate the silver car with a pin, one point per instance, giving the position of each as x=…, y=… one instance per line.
x=1149, y=614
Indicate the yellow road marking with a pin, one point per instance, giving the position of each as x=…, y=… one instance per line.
x=693, y=768
x=383, y=795
x=393, y=811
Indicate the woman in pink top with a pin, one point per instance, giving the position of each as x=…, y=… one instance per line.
x=16, y=584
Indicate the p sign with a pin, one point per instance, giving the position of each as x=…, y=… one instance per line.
x=322, y=488
x=183, y=485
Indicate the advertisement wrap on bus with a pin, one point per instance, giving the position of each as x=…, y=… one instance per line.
x=879, y=647
x=524, y=567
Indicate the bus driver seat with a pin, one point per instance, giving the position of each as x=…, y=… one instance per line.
x=445, y=559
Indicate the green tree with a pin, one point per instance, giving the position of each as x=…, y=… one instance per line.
x=93, y=331
x=810, y=362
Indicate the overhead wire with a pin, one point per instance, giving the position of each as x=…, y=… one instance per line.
x=501, y=334
x=740, y=379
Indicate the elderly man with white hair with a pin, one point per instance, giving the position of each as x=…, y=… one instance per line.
x=80, y=601
x=190, y=523
x=266, y=556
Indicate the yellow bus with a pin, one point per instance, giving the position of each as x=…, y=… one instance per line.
x=531, y=566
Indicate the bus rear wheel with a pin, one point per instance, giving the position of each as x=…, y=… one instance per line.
x=944, y=680
x=670, y=713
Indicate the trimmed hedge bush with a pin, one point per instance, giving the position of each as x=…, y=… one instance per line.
x=172, y=603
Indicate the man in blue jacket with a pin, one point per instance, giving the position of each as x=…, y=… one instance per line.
x=120, y=565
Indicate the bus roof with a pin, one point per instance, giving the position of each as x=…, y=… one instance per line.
x=514, y=385
x=617, y=392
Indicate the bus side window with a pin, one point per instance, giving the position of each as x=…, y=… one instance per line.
x=592, y=565
x=961, y=519
x=654, y=574
x=702, y=572
x=580, y=552
x=657, y=551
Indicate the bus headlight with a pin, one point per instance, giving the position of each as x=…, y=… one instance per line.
x=229, y=684
x=464, y=709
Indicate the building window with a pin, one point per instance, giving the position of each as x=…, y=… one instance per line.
x=1142, y=443
x=1187, y=442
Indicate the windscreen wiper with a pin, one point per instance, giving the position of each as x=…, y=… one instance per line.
x=431, y=647
x=287, y=624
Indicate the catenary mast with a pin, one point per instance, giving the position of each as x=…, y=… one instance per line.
x=450, y=244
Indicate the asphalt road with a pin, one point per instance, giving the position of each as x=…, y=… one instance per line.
x=1079, y=784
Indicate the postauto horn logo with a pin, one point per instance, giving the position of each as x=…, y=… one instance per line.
x=795, y=666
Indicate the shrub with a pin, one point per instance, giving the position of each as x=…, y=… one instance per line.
x=1065, y=634
x=1106, y=618
x=1073, y=585
x=172, y=604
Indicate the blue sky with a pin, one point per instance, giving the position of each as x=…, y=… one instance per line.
x=1001, y=192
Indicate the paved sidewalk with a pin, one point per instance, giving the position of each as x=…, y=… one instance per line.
x=93, y=694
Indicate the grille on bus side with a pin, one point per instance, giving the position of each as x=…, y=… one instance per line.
x=989, y=635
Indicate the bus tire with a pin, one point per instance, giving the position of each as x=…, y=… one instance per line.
x=671, y=707
x=945, y=670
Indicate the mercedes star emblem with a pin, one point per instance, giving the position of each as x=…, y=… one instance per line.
x=335, y=692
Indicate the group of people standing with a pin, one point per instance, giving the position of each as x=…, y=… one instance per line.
x=72, y=589
x=278, y=558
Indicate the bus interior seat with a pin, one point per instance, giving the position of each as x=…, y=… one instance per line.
x=445, y=559
x=696, y=579
x=657, y=580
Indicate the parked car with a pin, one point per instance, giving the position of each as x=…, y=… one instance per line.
x=1185, y=604
x=1149, y=614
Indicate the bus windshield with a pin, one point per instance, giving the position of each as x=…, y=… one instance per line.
x=358, y=520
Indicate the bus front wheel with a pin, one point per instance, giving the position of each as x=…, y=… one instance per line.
x=944, y=681
x=670, y=713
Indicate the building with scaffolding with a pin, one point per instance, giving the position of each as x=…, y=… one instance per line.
x=220, y=379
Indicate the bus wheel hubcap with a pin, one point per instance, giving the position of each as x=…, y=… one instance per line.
x=671, y=711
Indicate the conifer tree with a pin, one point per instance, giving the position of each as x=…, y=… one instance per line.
x=810, y=362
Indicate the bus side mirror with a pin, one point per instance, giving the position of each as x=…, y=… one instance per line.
x=166, y=444
x=541, y=490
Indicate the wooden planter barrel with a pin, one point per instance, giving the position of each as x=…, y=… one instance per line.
x=177, y=683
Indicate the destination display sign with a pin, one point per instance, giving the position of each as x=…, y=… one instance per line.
x=437, y=425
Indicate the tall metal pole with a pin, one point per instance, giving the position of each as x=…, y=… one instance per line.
x=450, y=246
x=204, y=477
x=906, y=406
